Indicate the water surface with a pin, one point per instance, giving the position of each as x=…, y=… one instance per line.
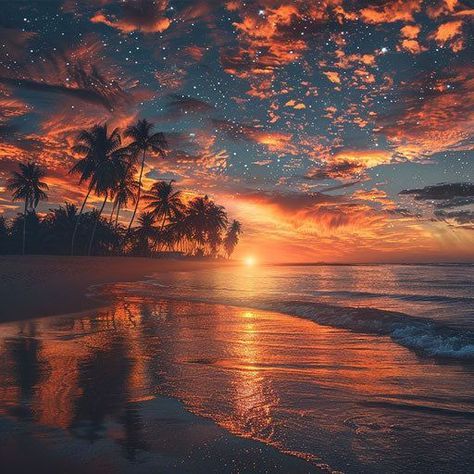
x=343, y=400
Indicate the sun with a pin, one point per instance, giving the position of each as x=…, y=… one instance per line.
x=249, y=261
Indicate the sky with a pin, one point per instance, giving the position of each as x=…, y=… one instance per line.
x=333, y=130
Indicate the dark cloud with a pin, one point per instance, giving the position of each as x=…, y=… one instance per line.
x=182, y=104
x=146, y=16
x=94, y=95
x=14, y=41
x=75, y=72
x=447, y=196
x=442, y=191
x=460, y=217
x=455, y=202
x=340, y=186
x=339, y=170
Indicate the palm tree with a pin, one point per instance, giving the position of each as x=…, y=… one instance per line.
x=59, y=226
x=3, y=235
x=216, y=222
x=27, y=185
x=143, y=141
x=196, y=215
x=125, y=192
x=100, y=165
x=180, y=226
x=232, y=237
x=207, y=219
x=145, y=232
x=108, y=176
x=164, y=202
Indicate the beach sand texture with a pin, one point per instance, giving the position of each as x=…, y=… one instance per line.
x=37, y=286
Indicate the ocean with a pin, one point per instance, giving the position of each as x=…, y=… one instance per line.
x=366, y=368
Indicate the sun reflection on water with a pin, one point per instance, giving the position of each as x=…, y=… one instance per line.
x=286, y=381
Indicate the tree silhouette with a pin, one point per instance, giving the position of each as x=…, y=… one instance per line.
x=124, y=192
x=101, y=165
x=232, y=237
x=195, y=228
x=165, y=203
x=143, y=142
x=27, y=185
x=144, y=233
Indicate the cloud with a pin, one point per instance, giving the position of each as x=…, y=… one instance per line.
x=11, y=107
x=447, y=196
x=442, y=8
x=434, y=114
x=348, y=164
x=450, y=34
x=182, y=104
x=391, y=11
x=409, y=40
x=275, y=141
x=309, y=212
x=146, y=16
x=462, y=218
x=72, y=73
x=14, y=42
x=333, y=76
x=269, y=38
x=442, y=191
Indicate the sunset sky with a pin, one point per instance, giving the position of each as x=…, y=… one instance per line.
x=334, y=130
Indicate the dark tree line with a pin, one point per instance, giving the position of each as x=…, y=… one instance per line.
x=108, y=167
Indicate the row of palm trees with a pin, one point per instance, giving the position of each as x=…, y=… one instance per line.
x=109, y=168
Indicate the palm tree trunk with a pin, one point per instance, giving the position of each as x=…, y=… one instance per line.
x=161, y=230
x=24, y=227
x=111, y=218
x=78, y=220
x=91, y=241
x=117, y=244
x=138, y=193
x=117, y=215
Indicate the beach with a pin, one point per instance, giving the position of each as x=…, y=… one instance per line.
x=42, y=286
x=227, y=368
x=45, y=285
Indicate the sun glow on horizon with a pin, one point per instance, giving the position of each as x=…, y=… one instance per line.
x=250, y=261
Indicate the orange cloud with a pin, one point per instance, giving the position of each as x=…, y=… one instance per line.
x=284, y=226
x=450, y=34
x=12, y=107
x=349, y=164
x=391, y=11
x=440, y=120
x=333, y=76
x=442, y=7
x=147, y=16
x=409, y=41
x=411, y=45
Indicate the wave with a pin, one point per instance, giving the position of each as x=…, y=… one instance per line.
x=400, y=296
x=416, y=333
x=423, y=335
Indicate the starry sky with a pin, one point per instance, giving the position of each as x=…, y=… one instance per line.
x=334, y=130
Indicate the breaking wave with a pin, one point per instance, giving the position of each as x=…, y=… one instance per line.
x=423, y=335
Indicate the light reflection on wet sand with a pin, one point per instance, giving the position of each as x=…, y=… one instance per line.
x=350, y=401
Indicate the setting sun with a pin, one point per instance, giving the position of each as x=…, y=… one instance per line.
x=249, y=261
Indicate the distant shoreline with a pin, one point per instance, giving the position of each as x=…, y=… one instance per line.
x=36, y=286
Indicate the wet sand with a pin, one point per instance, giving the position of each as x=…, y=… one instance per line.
x=39, y=286
x=177, y=441
x=36, y=286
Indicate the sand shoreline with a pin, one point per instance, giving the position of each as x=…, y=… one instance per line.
x=36, y=286
x=32, y=287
